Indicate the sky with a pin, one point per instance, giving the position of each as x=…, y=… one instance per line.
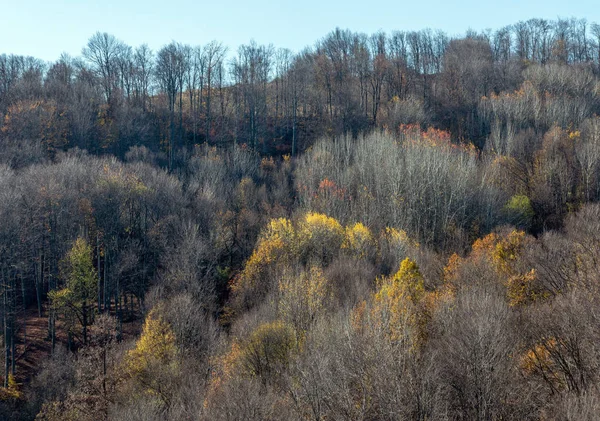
x=47, y=28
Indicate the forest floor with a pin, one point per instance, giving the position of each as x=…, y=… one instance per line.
x=33, y=344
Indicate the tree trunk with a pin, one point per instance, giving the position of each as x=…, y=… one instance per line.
x=99, y=274
x=85, y=321
x=38, y=282
x=6, y=344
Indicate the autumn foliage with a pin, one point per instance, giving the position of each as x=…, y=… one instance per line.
x=399, y=226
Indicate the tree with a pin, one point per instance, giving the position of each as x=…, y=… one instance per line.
x=399, y=305
x=320, y=237
x=268, y=350
x=251, y=71
x=76, y=299
x=102, y=50
x=153, y=364
x=467, y=76
x=303, y=297
x=169, y=75
x=143, y=61
x=478, y=369
x=519, y=211
x=214, y=54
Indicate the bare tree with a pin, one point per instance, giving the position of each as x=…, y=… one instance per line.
x=102, y=51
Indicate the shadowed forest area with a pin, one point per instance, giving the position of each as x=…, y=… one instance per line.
x=399, y=226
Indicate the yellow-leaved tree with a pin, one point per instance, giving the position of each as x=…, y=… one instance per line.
x=400, y=305
x=76, y=300
x=12, y=391
x=319, y=237
x=313, y=240
x=359, y=242
x=153, y=364
x=302, y=297
x=268, y=350
x=274, y=247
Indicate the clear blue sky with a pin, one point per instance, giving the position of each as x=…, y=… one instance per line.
x=45, y=28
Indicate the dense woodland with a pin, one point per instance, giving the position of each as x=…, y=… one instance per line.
x=396, y=226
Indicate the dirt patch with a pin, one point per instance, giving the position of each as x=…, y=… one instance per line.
x=33, y=343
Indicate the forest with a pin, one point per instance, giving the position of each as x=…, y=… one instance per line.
x=387, y=226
